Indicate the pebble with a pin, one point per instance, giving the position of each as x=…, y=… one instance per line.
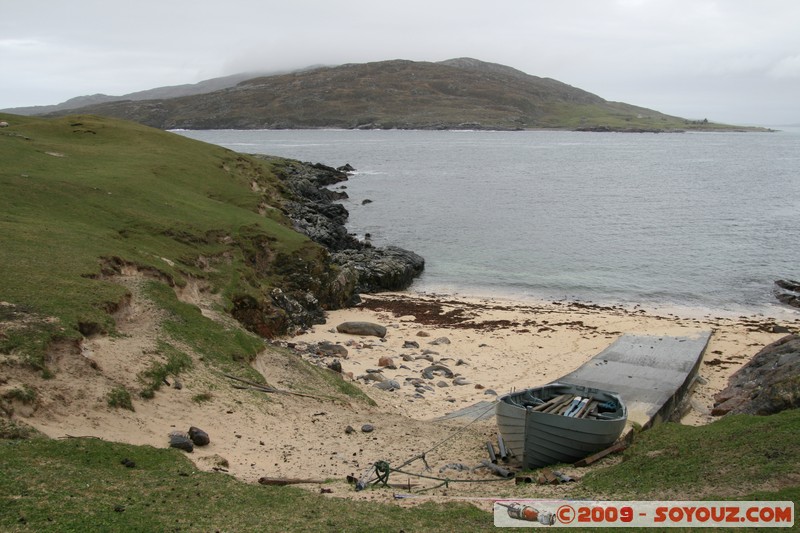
x=198, y=436
x=442, y=384
x=490, y=392
x=386, y=362
x=389, y=385
x=367, y=428
x=410, y=344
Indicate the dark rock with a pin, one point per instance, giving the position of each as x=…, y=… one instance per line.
x=768, y=384
x=381, y=269
x=362, y=328
x=314, y=213
x=429, y=372
x=410, y=344
x=787, y=291
x=347, y=167
x=180, y=440
x=349, y=430
x=388, y=385
x=367, y=428
x=336, y=366
x=366, y=201
x=128, y=463
x=198, y=436
x=330, y=349
x=177, y=384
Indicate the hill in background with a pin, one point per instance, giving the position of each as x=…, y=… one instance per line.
x=459, y=93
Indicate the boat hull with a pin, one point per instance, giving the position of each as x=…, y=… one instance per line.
x=540, y=439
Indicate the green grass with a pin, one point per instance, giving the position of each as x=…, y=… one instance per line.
x=154, y=377
x=81, y=485
x=227, y=349
x=82, y=195
x=312, y=378
x=25, y=394
x=735, y=454
x=120, y=397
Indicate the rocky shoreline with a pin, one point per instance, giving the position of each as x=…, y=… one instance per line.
x=316, y=213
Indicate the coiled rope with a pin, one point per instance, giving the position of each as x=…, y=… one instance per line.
x=382, y=469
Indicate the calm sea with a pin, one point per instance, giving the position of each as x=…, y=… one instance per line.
x=700, y=221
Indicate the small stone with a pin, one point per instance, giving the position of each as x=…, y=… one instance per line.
x=198, y=436
x=349, y=430
x=410, y=344
x=128, y=463
x=386, y=362
x=367, y=428
x=460, y=362
x=336, y=366
x=388, y=385
x=490, y=392
x=177, y=384
x=423, y=334
x=440, y=340
x=180, y=440
x=442, y=384
x=461, y=380
x=407, y=357
x=479, y=386
x=330, y=349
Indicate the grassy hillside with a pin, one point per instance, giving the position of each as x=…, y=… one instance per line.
x=83, y=196
x=459, y=93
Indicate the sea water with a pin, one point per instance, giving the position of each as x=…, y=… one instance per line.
x=687, y=220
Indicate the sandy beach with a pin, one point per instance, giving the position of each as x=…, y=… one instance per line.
x=491, y=346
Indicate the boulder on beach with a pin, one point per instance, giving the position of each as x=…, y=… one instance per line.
x=768, y=384
x=198, y=436
x=362, y=328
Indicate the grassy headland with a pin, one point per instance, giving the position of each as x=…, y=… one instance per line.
x=81, y=197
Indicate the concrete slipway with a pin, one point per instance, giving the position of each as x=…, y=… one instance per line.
x=651, y=373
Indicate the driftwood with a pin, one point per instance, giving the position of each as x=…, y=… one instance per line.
x=618, y=447
x=252, y=385
x=282, y=481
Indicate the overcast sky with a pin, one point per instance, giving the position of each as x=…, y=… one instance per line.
x=734, y=61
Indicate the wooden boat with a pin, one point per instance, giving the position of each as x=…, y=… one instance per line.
x=559, y=422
